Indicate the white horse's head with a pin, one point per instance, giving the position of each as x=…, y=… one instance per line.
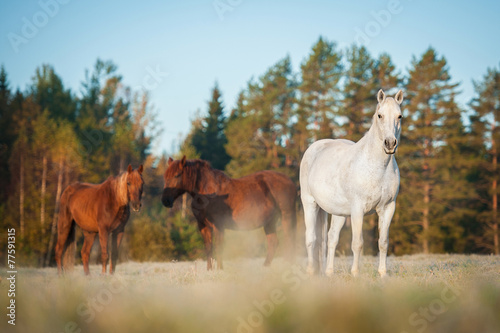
x=387, y=120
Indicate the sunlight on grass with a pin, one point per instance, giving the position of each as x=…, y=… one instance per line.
x=438, y=293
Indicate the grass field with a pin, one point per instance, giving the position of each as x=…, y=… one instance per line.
x=437, y=293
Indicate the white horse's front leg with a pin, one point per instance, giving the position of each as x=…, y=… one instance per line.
x=333, y=240
x=384, y=221
x=357, y=239
x=311, y=210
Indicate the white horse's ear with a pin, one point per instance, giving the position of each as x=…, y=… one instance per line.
x=380, y=96
x=399, y=97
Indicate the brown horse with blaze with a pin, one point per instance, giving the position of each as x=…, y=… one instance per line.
x=220, y=202
x=97, y=209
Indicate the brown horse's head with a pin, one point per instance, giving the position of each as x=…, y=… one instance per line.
x=174, y=186
x=134, y=187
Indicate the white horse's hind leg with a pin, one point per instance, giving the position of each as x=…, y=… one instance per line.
x=357, y=240
x=333, y=240
x=311, y=210
x=384, y=218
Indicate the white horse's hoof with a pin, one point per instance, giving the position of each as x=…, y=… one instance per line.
x=383, y=274
x=310, y=271
x=329, y=272
x=355, y=273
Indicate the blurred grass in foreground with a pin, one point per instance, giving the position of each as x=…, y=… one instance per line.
x=437, y=293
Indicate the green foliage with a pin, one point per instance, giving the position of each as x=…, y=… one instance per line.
x=187, y=240
x=149, y=240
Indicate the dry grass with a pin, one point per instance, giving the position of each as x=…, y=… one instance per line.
x=438, y=293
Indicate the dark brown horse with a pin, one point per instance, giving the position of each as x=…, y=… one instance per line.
x=97, y=208
x=220, y=202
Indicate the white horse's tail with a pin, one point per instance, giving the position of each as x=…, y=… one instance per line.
x=323, y=221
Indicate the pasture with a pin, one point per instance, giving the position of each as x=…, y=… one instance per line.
x=432, y=293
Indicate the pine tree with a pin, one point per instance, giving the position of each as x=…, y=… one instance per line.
x=210, y=138
x=94, y=120
x=65, y=159
x=385, y=76
x=320, y=94
x=259, y=137
x=44, y=130
x=7, y=133
x=453, y=194
x=486, y=128
x=359, y=91
x=429, y=106
x=49, y=93
x=21, y=168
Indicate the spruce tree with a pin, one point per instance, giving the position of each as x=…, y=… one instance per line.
x=486, y=128
x=209, y=139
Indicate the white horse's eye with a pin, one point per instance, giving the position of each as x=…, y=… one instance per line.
x=379, y=116
x=400, y=116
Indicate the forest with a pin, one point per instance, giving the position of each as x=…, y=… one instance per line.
x=51, y=136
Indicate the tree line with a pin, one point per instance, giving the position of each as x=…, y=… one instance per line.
x=448, y=202
x=448, y=155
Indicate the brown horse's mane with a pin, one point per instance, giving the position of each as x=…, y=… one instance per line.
x=113, y=188
x=198, y=175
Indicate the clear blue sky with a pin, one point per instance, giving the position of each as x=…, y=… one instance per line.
x=197, y=45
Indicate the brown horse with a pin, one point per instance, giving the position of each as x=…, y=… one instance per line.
x=97, y=208
x=220, y=202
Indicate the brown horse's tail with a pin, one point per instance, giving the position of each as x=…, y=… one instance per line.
x=286, y=199
x=293, y=230
x=66, y=242
x=69, y=250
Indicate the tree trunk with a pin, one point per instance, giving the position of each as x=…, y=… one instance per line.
x=53, y=230
x=21, y=194
x=122, y=163
x=425, y=219
x=42, y=194
x=184, y=205
x=427, y=190
x=494, y=191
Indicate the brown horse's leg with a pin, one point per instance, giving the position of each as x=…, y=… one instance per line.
x=116, y=239
x=206, y=233
x=272, y=241
x=219, y=245
x=87, y=246
x=103, y=240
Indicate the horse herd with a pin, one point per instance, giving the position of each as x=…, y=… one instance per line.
x=337, y=177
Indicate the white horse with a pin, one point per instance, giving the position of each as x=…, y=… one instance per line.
x=344, y=178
